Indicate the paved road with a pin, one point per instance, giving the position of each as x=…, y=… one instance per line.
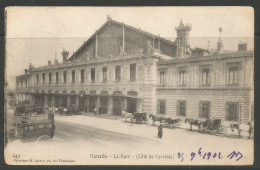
x=71, y=132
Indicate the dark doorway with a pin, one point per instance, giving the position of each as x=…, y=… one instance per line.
x=82, y=103
x=131, y=105
x=56, y=100
x=64, y=101
x=103, y=105
x=116, y=105
x=92, y=104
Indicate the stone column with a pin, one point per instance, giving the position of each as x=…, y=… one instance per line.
x=124, y=104
x=52, y=101
x=77, y=101
x=32, y=99
x=139, y=105
x=45, y=100
x=98, y=104
x=87, y=103
x=110, y=106
x=68, y=100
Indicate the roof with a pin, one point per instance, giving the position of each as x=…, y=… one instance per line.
x=121, y=24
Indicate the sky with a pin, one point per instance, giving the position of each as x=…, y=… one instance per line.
x=38, y=34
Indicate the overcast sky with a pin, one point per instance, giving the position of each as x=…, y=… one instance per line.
x=38, y=34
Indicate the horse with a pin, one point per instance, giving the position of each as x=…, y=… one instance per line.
x=155, y=118
x=170, y=122
x=193, y=122
x=127, y=115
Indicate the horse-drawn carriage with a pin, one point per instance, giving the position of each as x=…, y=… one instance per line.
x=166, y=121
x=137, y=117
x=34, y=127
x=208, y=125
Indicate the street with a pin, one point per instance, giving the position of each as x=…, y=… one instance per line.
x=81, y=139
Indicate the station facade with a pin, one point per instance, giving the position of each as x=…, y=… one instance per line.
x=122, y=68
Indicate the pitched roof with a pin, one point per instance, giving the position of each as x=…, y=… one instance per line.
x=121, y=24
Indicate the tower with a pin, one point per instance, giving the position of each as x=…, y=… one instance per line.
x=65, y=55
x=183, y=49
x=220, y=44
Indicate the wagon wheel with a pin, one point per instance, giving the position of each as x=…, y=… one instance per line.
x=221, y=129
x=43, y=138
x=139, y=120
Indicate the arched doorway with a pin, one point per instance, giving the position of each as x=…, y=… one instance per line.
x=117, y=103
x=132, y=101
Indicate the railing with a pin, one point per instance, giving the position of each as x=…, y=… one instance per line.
x=192, y=86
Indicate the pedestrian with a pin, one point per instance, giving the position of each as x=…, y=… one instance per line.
x=160, y=131
x=95, y=110
x=251, y=128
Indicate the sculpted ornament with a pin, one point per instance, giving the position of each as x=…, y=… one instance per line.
x=141, y=71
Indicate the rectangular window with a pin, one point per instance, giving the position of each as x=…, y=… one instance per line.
x=132, y=72
x=118, y=73
x=182, y=77
x=161, y=106
x=205, y=76
x=57, y=77
x=93, y=75
x=104, y=74
x=37, y=79
x=233, y=75
x=73, y=76
x=64, y=76
x=162, y=78
x=50, y=76
x=43, y=78
x=181, y=108
x=82, y=75
x=232, y=111
x=204, y=109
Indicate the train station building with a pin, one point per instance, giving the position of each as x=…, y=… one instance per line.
x=124, y=68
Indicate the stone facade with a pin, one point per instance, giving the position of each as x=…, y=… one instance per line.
x=124, y=68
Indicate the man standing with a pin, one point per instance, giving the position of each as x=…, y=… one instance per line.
x=160, y=131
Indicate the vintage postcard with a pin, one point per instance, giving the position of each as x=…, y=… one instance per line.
x=129, y=86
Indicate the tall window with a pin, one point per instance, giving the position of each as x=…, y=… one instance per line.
x=118, y=73
x=104, y=74
x=43, y=78
x=232, y=111
x=93, y=75
x=161, y=106
x=204, y=109
x=181, y=108
x=73, y=76
x=182, y=77
x=205, y=76
x=82, y=75
x=162, y=78
x=37, y=79
x=233, y=75
x=132, y=72
x=50, y=76
x=57, y=77
x=64, y=76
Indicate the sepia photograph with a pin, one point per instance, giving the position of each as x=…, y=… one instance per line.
x=129, y=85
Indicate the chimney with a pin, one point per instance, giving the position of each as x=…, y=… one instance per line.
x=55, y=61
x=49, y=62
x=65, y=55
x=220, y=46
x=242, y=46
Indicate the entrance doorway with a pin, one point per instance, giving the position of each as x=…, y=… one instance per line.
x=92, y=104
x=103, y=105
x=116, y=105
x=131, y=105
x=64, y=101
